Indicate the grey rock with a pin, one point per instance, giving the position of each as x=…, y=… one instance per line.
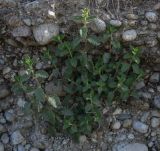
x=22, y=31
x=20, y=148
x=1, y=147
x=129, y=35
x=151, y=42
x=21, y=102
x=155, y=122
x=158, y=35
x=123, y=116
x=27, y=21
x=145, y=116
x=116, y=23
x=6, y=70
x=5, y=138
x=4, y=92
x=157, y=101
x=130, y=147
x=155, y=77
x=155, y=113
x=151, y=16
x=9, y=115
x=132, y=16
x=116, y=125
x=140, y=85
x=34, y=149
x=2, y=129
x=44, y=33
x=145, y=95
x=2, y=119
x=157, y=6
x=98, y=25
x=140, y=127
x=17, y=138
x=127, y=123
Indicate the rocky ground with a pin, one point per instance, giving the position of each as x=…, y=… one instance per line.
x=126, y=126
x=131, y=126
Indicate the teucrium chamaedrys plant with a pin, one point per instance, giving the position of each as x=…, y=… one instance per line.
x=91, y=79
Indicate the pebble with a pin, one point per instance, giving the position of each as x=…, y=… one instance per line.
x=6, y=70
x=22, y=31
x=140, y=127
x=132, y=16
x=127, y=123
x=98, y=25
x=9, y=115
x=116, y=125
x=4, y=92
x=82, y=139
x=21, y=102
x=116, y=23
x=130, y=147
x=1, y=147
x=155, y=77
x=151, y=16
x=16, y=137
x=44, y=33
x=129, y=35
x=140, y=85
x=157, y=101
x=34, y=149
x=2, y=129
x=5, y=138
x=20, y=148
x=155, y=113
x=155, y=122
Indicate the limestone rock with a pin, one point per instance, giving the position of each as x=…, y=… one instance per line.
x=44, y=33
x=129, y=35
x=22, y=31
x=140, y=127
x=98, y=25
x=151, y=16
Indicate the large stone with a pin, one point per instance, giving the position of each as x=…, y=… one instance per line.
x=4, y=92
x=17, y=138
x=130, y=147
x=44, y=33
x=98, y=25
x=22, y=31
x=129, y=35
x=151, y=16
x=140, y=127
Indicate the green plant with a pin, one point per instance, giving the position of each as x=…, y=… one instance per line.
x=90, y=81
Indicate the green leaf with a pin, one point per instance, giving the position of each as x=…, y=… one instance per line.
x=73, y=62
x=76, y=42
x=110, y=97
x=39, y=95
x=41, y=74
x=54, y=101
x=94, y=40
x=125, y=67
x=136, y=69
x=83, y=32
x=106, y=57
